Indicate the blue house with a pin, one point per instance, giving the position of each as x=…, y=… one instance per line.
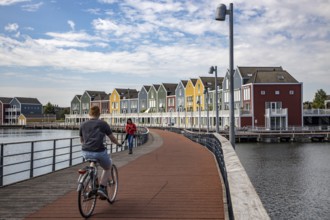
x=25, y=106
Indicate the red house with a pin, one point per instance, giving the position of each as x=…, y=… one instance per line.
x=270, y=98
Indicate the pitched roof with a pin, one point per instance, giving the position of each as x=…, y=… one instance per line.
x=249, y=71
x=272, y=77
x=98, y=95
x=193, y=80
x=5, y=100
x=184, y=82
x=156, y=86
x=170, y=88
x=147, y=87
x=210, y=82
x=24, y=100
x=127, y=93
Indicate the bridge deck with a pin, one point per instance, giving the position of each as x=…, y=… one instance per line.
x=170, y=177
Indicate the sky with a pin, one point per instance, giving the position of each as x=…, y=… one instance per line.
x=53, y=50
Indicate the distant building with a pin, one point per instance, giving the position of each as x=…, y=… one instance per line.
x=268, y=97
x=25, y=106
x=4, y=106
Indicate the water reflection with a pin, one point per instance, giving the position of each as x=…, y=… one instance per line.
x=14, y=135
x=292, y=179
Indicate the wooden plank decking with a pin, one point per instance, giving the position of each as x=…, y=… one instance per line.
x=170, y=177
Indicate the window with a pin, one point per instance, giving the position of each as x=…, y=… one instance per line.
x=291, y=92
x=277, y=92
x=237, y=96
x=246, y=93
x=226, y=97
x=262, y=92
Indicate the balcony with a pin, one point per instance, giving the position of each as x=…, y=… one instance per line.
x=316, y=112
x=280, y=112
x=13, y=110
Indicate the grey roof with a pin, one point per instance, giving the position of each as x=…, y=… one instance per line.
x=147, y=88
x=5, y=100
x=193, y=80
x=210, y=82
x=272, y=77
x=98, y=95
x=328, y=97
x=170, y=88
x=184, y=82
x=156, y=86
x=249, y=71
x=78, y=97
x=24, y=100
x=127, y=93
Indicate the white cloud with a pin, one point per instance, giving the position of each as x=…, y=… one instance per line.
x=11, y=27
x=71, y=24
x=11, y=2
x=32, y=7
x=107, y=1
x=170, y=40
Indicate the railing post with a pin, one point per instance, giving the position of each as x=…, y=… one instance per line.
x=54, y=155
x=1, y=165
x=70, y=162
x=32, y=159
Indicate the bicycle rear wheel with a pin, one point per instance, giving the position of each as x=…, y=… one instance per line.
x=86, y=197
x=113, y=184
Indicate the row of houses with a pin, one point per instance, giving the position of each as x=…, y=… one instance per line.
x=267, y=97
x=20, y=110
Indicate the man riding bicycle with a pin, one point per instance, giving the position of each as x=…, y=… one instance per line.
x=92, y=133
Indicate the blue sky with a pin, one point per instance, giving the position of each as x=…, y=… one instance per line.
x=55, y=49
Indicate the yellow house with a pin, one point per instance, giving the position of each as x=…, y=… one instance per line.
x=199, y=95
x=190, y=95
x=115, y=102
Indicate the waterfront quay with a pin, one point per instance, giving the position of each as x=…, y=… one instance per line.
x=298, y=134
x=169, y=177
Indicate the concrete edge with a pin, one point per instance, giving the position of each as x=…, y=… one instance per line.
x=245, y=201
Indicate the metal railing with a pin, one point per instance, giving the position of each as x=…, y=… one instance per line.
x=214, y=145
x=27, y=159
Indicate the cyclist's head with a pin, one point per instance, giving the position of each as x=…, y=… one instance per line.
x=94, y=112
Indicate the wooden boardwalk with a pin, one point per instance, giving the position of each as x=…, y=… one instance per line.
x=170, y=177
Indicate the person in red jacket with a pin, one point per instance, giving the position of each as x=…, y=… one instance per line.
x=130, y=130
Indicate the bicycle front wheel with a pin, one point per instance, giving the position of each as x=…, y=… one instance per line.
x=86, y=197
x=113, y=185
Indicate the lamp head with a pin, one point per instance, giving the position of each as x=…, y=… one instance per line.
x=220, y=14
x=211, y=70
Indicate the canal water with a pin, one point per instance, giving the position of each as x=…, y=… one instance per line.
x=16, y=135
x=291, y=179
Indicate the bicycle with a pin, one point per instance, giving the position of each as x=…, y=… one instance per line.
x=88, y=185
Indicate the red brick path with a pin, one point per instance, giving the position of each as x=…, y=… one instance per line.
x=178, y=180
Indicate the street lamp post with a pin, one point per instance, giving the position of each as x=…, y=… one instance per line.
x=199, y=115
x=214, y=69
x=206, y=91
x=221, y=13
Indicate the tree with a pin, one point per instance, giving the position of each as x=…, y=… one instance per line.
x=63, y=112
x=307, y=105
x=319, y=98
x=49, y=109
